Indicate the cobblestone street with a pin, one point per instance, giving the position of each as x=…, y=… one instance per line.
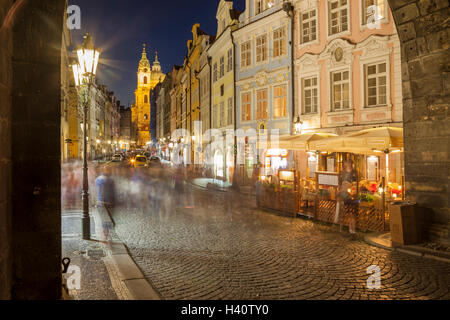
x=202, y=244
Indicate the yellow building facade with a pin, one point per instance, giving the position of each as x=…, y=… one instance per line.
x=222, y=91
x=192, y=69
x=148, y=78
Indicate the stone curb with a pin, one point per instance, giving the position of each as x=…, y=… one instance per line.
x=129, y=273
x=419, y=253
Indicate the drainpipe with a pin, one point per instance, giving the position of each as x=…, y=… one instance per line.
x=289, y=8
x=196, y=73
x=210, y=102
x=235, y=147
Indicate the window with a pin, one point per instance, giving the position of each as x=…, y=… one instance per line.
x=145, y=99
x=261, y=101
x=222, y=90
x=280, y=101
x=259, y=6
x=308, y=26
x=230, y=60
x=337, y=16
x=373, y=14
x=145, y=117
x=376, y=84
x=145, y=80
x=222, y=67
x=246, y=103
x=310, y=95
x=230, y=112
x=340, y=90
x=222, y=114
x=279, y=42
x=246, y=54
x=214, y=117
x=261, y=48
x=215, y=72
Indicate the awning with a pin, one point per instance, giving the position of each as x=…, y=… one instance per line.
x=303, y=141
x=369, y=141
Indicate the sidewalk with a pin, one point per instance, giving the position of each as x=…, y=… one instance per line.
x=383, y=240
x=100, y=270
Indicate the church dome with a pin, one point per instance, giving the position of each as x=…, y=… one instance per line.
x=144, y=63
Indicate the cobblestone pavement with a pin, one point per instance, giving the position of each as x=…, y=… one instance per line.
x=88, y=256
x=195, y=245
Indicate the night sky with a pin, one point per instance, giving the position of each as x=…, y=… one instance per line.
x=120, y=27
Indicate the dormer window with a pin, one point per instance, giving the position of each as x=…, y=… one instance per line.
x=262, y=5
x=259, y=6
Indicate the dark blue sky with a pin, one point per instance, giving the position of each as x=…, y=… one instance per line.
x=120, y=27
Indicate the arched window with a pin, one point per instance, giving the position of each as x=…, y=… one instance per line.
x=145, y=99
x=145, y=80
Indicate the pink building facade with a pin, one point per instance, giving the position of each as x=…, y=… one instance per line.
x=347, y=76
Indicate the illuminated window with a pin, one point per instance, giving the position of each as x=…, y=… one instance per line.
x=246, y=54
x=337, y=16
x=376, y=84
x=215, y=72
x=308, y=26
x=222, y=114
x=230, y=112
x=340, y=98
x=310, y=95
x=261, y=102
x=261, y=48
x=246, y=102
x=259, y=6
x=279, y=42
x=280, y=101
x=230, y=60
x=222, y=67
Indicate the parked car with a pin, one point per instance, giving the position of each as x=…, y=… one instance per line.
x=117, y=158
x=140, y=161
x=155, y=160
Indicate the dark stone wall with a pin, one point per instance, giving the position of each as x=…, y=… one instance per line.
x=423, y=27
x=36, y=168
x=30, y=95
x=5, y=150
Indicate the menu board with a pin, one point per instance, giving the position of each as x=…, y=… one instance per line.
x=328, y=179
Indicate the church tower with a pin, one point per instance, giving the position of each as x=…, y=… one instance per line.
x=148, y=78
x=141, y=109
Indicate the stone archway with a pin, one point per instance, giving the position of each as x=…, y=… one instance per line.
x=423, y=27
x=30, y=230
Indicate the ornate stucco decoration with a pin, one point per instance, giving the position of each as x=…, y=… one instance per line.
x=373, y=46
x=337, y=53
x=261, y=78
x=307, y=62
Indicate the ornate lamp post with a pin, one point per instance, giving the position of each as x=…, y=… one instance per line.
x=298, y=126
x=84, y=72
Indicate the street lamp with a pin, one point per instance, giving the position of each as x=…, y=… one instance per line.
x=84, y=72
x=298, y=126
